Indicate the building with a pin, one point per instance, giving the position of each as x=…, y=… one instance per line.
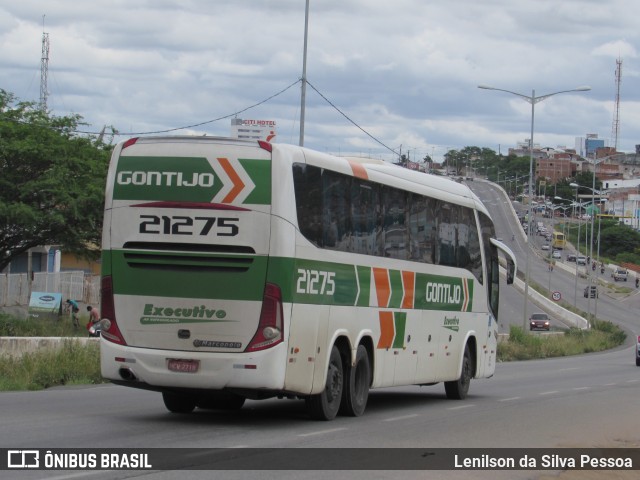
x=555, y=168
x=587, y=146
x=522, y=150
x=51, y=259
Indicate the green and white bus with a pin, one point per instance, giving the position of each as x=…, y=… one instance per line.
x=238, y=270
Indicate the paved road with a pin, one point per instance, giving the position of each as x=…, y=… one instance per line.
x=617, y=302
x=585, y=401
x=566, y=402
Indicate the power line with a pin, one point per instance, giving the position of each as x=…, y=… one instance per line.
x=351, y=121
x=201, y=123
x=249, y=108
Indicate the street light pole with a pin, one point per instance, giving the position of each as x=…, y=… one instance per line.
x=532, y=100
x=575, y=288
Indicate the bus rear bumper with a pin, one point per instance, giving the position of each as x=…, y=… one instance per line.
x=125, y=365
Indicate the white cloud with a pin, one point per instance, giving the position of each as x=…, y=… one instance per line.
x=617, y=48
x=405, y=71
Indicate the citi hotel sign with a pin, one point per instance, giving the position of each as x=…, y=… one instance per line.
x=259, y=123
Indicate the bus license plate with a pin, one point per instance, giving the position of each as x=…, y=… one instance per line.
x=183, y=366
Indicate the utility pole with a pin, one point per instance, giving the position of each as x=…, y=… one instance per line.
x=303, y=94
x=616, y=111
x=44, y=69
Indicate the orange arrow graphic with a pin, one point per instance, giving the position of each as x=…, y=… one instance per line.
x=238, y=185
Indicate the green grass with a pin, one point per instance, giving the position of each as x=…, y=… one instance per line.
x=76, y=364
x=522, y=346
x=34, y=327
x=71, y=364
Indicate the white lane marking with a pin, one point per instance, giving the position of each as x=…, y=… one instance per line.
x=509, y=399
x=461, y=407
x=321, y=432
x=395, y=419
x=548, y=393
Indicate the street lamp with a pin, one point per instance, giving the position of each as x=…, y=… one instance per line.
x=575, y=289
x=532, y=99
x=590, y=249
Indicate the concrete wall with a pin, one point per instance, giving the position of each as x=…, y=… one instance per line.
x=17, y=346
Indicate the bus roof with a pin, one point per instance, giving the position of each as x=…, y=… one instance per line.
x=379, y=171
x=442, y=188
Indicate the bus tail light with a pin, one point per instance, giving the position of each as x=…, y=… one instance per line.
x=270, y=328
x=110, y=330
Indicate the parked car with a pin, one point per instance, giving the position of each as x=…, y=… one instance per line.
x=594, y=291
x=619, y=275
x=539, y=321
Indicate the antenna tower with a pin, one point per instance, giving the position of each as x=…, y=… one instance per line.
x=44, y=69
x=616, y=111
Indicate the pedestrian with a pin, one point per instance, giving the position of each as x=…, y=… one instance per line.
x=94, y=314
x=74, y=312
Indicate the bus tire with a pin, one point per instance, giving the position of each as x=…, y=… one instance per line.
x=178, y=403
x=356, y=385
x=458, y=389
x=325, y=405
x=222, y=401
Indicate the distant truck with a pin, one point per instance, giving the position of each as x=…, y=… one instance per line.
x=620, y=274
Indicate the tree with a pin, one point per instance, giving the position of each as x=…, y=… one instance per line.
x=51, y=182
x=619, y=239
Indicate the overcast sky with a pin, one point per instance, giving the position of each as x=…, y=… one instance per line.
x=405, y=71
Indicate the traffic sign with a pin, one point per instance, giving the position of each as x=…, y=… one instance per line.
x=556, y=296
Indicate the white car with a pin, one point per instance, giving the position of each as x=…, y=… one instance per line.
x=545, y=247
x=620, y=275
x=556, y=254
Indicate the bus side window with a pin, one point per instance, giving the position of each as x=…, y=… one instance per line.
x=308, y=191
x=364, y=200
x=395, y=232
x=336, y=211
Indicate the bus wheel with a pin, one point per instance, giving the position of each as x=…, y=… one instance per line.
x=325, y=405
x=177, y=403
x=458, y=389
x=222, y=401
x=356, y=385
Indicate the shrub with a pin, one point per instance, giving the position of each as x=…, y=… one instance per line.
x=71, y=364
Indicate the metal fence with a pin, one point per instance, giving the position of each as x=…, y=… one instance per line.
x=15, y=288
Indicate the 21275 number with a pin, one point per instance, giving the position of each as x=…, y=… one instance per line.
x=184, y=225
x=316, y=282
